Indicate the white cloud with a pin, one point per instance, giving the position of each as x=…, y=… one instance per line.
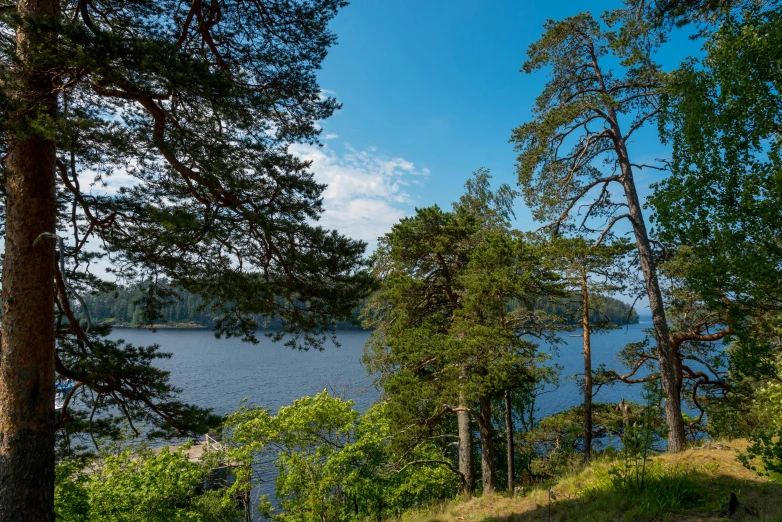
x=367, y=191
x=109, y=184
x=366, y=194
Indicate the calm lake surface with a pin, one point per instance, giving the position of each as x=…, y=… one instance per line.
x=219, y=373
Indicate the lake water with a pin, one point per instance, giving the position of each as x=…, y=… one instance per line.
x=219, y=373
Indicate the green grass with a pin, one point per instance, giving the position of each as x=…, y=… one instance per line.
x=690, y=486
x=666, y=489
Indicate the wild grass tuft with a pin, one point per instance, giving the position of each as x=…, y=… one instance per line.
x=667, y=489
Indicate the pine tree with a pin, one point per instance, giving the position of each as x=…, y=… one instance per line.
x=446, y=338
x=589, y=270
x=418, y=264
x=575, y=151
x=492, y=339
x=196, y=102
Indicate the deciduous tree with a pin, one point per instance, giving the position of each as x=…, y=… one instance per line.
x=334, y=463
x=723, y=199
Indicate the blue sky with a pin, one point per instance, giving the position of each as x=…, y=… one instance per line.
x=430, y=91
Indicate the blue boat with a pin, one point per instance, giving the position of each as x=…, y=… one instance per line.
x=61, y=389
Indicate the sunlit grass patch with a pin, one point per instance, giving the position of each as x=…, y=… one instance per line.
x=689, y=486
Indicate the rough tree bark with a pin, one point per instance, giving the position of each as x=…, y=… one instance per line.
x=465, y=448
x=509, y=440
x=579, y=103
x=670, y=364
x=587, y=367
x=487, y=445
x=27, y=349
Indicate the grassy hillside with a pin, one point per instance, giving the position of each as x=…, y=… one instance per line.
x=691, y=486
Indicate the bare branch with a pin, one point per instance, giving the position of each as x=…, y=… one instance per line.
x=627, y=377
x=575, y=200
x=642, y=166
x=610, y=226
x=679, y=337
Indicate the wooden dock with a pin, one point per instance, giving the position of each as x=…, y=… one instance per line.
x=197, y=450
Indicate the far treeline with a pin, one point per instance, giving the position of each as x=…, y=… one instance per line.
x=124, y=307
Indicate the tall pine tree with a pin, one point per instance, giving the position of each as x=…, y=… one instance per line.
x=191, y=107
x=574, y=155
x=588, y=271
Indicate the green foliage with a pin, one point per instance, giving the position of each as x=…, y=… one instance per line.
x=556, y=441
x=182, y=117
x=71, y=497
x=605, y=268
x=721, y=116
x=459, y=295
x=139, y=485
x=604, y=310
x=333, y=463
x=489, y=333
x=142, y=396
x=216, y=506
x=410, y=315
x=765, y=445
x=643, y=429
x=379, y=478
x=576, y=118
x=720, y=207
x=125, y=305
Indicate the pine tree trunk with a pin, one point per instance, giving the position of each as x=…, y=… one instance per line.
x=509, y=440
x=27, y=346
x=487, y=445
x=670, y=365
x=465, y=448
x=587, y=368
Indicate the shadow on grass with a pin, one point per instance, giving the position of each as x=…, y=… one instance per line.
x=691, y=496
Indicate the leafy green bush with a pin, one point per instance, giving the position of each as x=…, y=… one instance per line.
x=766, y=446
x=555, y=443
x=332, y=462
x=139, y=485
x=766, y=442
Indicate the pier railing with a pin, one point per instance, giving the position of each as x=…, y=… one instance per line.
x=212, y=444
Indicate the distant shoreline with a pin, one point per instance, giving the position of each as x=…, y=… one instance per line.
x=196, y=326
x=161, y=326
